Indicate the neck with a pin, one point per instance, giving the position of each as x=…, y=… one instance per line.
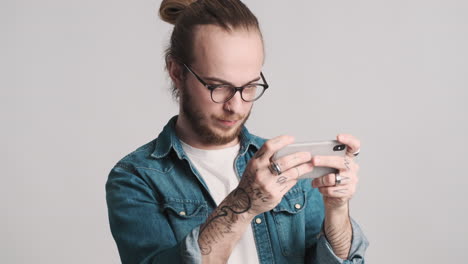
x=187, y=134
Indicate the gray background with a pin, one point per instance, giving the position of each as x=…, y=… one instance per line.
x=83, y=84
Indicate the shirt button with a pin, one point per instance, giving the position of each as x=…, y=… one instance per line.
x=258, y=221
x=298, y=206
x=182, y=213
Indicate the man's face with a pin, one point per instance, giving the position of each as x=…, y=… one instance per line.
x=221, y=57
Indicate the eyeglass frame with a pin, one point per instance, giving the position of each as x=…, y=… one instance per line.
x=212, y=87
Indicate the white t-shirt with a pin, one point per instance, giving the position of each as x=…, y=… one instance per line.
x=217, y=169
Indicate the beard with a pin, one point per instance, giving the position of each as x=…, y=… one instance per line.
x=200, y=123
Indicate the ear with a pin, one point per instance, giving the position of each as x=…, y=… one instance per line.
x=176, y=72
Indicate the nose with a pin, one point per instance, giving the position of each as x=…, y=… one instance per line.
x=235, y=103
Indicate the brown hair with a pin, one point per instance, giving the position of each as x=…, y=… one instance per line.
x=185, y=15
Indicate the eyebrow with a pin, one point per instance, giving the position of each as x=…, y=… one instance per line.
x=226, y=82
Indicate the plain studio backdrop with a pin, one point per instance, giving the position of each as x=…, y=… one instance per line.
x=83, y=84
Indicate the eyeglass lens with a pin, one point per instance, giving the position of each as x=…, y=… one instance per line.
x=249, y=93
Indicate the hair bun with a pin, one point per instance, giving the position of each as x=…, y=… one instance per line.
x=171, y=9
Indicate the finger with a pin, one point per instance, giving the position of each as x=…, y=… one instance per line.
x=345, y=179
x=337, y=191
x=329, y=180
x=352, y=142
x=295, y=172
x=324, y=181
x=337, y=162
x=271, y=146
x=292, y=160
x=282, y=179
x=287, y=186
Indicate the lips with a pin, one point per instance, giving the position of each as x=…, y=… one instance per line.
x=228, y=123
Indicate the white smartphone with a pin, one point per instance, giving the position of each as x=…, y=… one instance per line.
x=315, y=148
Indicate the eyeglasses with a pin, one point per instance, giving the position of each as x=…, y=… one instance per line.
x=221, y=93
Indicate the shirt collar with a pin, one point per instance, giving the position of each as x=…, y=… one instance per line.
x=168, y=140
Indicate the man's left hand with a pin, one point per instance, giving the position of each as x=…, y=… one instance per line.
x=337, y=189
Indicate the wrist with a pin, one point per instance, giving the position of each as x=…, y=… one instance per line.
x=240, y=204
x=342, y=210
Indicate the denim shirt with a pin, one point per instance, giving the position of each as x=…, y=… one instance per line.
x=157, y=201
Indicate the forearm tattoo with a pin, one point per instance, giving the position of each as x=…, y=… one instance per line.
x=339, y=239
x=222, y=220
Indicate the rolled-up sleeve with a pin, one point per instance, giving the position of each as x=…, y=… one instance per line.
x=324, y=252
x=139, y=225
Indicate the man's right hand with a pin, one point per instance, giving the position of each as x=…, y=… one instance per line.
x=261, y=188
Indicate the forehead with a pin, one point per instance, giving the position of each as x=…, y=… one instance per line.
x=236, y=55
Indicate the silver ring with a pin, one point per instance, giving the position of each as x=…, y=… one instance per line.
x=338, y=179
x=276, y=168
x=356, y=153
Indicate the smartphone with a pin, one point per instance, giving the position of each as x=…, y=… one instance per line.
x=315, y=148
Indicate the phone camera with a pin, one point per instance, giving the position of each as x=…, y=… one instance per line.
x=339, y=147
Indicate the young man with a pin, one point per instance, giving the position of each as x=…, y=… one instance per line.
x=206, y=190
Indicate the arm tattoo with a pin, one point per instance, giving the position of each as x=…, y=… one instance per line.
x=222, y=220
x=340, y=240
x=254, y=193
x=230, y=211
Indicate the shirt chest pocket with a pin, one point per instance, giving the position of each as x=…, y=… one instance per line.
x=290, y=222
x=185, y=215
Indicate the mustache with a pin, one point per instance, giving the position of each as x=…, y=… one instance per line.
x=231, y=117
